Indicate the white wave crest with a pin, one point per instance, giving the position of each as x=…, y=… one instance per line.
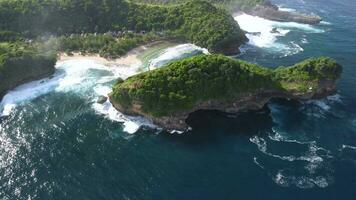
x=174, y=53
x=131, y=124
x=344, y=146
x=264, y=33
x=75, y=75
x=90, y=79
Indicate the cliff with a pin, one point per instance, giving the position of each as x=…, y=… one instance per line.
x=213, y=82
x=21, y=63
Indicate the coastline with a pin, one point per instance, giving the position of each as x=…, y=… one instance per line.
x=134, y=57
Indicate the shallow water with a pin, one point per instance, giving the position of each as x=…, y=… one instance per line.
x=57, y=143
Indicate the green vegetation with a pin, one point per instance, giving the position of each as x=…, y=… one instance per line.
x=106, y=45
x=108, y=27
x=230, y=5
x=198, y=22
x=182, y=84
x=20, y=62
x=306, y=74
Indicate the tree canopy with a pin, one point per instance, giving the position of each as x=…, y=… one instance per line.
x=198, y=22
x=182, y=84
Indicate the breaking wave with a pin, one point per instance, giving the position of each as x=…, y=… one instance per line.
x=265, y=33
x=175, y=53
x=91, y=79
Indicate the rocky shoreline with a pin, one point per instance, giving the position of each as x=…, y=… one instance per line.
x=246, y=102
x=310, y=79
x=29, y=70
x=270, y=11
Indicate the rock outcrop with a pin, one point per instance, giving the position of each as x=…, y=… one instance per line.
x=168, y=95
x=21, y=63
x=270, y=11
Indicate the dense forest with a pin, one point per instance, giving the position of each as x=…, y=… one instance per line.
x=180, y=85
x=198, y=22
x=106, y=45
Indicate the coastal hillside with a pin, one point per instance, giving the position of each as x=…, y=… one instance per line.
x=215, y=82
x=20, y=63
x=109, y=28
x=261, y=8
x=198, y=22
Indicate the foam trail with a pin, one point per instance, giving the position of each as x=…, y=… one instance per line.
x=314, y=158
x=175, y=53
x=348, y=147
x=281, y=8
x=303, y=182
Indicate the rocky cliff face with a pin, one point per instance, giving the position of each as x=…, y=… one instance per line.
x=25, y=66
x=271, y=12
x=145, y=94
x=248, y=101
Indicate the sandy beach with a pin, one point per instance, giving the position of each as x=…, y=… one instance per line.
x=130, y=59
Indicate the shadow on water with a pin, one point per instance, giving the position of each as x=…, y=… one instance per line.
x=210, y=125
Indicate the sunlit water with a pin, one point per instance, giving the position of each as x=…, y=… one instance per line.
x=56, y=142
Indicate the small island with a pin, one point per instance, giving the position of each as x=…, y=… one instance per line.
x=215, y=82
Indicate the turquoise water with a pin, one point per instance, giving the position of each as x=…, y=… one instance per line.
x=58, y=144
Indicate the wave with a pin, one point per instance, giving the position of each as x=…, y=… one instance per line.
x=279, y=136
x=79, y=76
x=131, y=124
x=27, y=92
x=175, y=53
x=344, y=146
x=91, y=79
x=325, y=23
x=264, y=33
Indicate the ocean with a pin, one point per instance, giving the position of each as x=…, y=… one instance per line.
x=56, y=142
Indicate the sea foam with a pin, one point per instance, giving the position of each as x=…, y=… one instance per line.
x=90, y=79
x=260, y=33
x=314, y=159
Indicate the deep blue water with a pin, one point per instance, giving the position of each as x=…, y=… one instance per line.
x=57, y=147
